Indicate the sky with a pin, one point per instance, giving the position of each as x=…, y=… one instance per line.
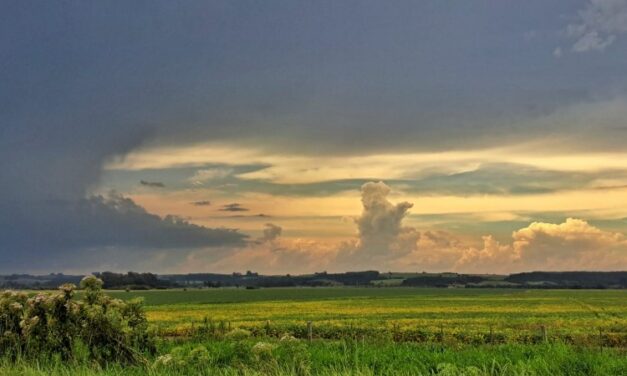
x=296, y=136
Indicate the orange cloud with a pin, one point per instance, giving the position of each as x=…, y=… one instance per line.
x=383, y=243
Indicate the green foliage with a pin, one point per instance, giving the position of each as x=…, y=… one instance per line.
x=58, y=324
x=392, y=331
x=301, y=358
x=465, y=316
x=238, y=334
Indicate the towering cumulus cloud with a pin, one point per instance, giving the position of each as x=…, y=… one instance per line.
x=380, y=224
x=383, y=242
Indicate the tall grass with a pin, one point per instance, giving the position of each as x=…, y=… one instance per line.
x=348, y=357
x=57, y=334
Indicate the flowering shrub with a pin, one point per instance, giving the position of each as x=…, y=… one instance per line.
x=238, y=334
x=262, y=351
x=57, y=323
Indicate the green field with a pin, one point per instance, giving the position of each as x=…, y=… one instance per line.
x=466, y=315
x=372, y=331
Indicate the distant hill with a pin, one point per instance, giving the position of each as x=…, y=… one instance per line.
x=371, y=278
x=570, y=279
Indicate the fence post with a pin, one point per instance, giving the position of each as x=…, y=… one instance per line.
x=441, y=333
x=491, y=335
x=310, y=330
x=600, y=338
x=544, y=334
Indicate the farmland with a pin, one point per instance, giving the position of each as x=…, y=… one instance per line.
x=376, y=331
x=471, y=313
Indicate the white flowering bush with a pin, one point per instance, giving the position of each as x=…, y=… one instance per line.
x=184, y=357
x=55, y=323
x=237, y=334
x=288, y=338
x=262, y=351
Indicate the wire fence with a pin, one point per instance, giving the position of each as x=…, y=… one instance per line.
x=491, y=334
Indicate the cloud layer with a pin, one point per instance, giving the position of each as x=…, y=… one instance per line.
x=384, y=243
x=302, y=100
x=87, y=232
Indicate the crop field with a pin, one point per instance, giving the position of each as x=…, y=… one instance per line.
x=366, y=331
x=405, y=314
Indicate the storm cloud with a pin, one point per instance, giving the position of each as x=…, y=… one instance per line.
x=88, y=83
x=65, y=234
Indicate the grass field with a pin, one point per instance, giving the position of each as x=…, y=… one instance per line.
x=373, y=331
x=347, y=357
x=463, y=314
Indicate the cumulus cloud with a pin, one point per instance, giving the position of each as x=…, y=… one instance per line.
x=233, y=207
x=383, y=242
x=381, y=239
x=154, y=184
x=572, y=245
x=380, y=223
x=598, y=25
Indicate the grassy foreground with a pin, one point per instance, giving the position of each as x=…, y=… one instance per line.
x=369, y=331
x=274, y=357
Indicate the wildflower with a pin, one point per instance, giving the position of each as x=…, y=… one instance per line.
x=67, y=288
x=262, y=348
x=288, y=338
x=16, y=307
x=238, y=334
x=90, y=282
x=163, y=360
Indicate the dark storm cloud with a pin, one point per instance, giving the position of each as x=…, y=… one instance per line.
x=234, y=207
x=346, y=79
x=84, y=82
x=154, y=184
x=61, y=233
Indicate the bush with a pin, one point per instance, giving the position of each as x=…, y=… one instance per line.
x=238, y=334
x=58, y=324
